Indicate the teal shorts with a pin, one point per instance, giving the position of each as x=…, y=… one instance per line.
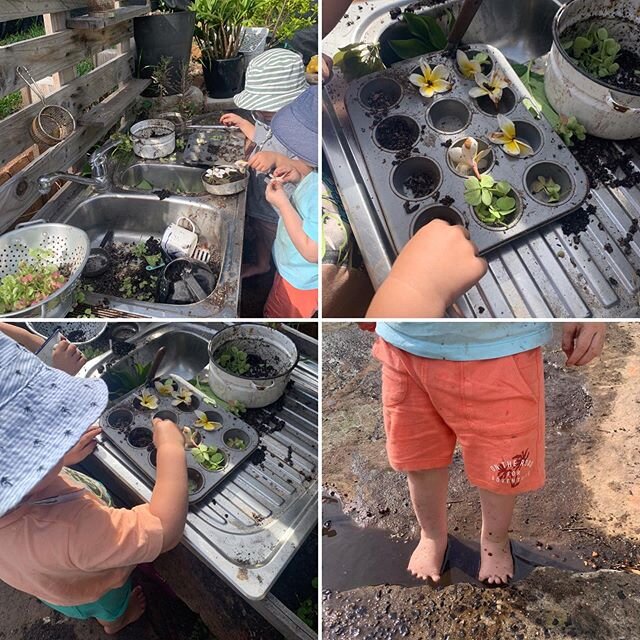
x=110, y=607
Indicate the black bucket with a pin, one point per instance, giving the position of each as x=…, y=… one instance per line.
x=169, y=35
x=223, y=78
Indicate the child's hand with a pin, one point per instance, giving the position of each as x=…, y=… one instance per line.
x=84, y=447
x=232, y=120
x=166, y=432
x=276, y=195
x=263, y=161
x=67, y=357
x=582, y=341
x=438, y=265
x=287, y=173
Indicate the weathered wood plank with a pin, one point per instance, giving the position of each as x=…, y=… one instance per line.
x=75, y=96
x=104, y=113
x=98, y=22
x=48, y=54
x=18, y=193
x=14, y=9
x=54, y=22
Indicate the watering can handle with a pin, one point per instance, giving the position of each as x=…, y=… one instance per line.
x=193, y=226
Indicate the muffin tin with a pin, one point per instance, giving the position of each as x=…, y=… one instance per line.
x=213, y=145
x=126, y=423
x=431, y=126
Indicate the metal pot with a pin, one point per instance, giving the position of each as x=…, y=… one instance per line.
x=271, y=345
x=47, y=329
x=228, y=188
x=154, y=146
x=605, y=111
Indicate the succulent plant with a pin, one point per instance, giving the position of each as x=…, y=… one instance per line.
x=490, y=199
x=595, y=51
x=547, y=185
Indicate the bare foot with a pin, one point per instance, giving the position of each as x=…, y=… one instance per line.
x=135, y=609
x=496, y=562
x=426, y=560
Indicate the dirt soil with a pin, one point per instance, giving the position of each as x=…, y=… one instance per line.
x=589, y=507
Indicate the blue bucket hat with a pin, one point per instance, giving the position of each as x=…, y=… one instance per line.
x=43, y=413
x=296, y=126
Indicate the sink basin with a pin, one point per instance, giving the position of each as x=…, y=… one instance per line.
x=174, y=177
x=133, y=217
x=520, y=29
x=186, y=356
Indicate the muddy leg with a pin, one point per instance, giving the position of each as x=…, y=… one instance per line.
x=496, y=563
x=429, y=497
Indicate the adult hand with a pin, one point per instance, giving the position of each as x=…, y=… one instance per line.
x=263, y=161
x=166, y=432
x=582, y=341
x=84, y=447
x=67, y=357
x=436, y=266
x=276, y=195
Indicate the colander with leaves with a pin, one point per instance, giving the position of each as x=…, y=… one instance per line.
x=59, y=251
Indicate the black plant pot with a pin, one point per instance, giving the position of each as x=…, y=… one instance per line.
x=168, y=35
x=223, y=78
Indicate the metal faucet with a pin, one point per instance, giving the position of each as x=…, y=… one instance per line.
x=99, y=179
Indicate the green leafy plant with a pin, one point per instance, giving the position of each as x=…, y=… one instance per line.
x=547, y=186
x=427, y=36
x=210, y=457
x=234, y=360
x=308, y=609
x=153, y=260
x=129, y=376
x=595, y=51
x=490, y=199
x=284, y=18
x=234, y=406
x=219, y=25
x=35, y=280
x=236, y=443
x=358, y=59
x=567, y=127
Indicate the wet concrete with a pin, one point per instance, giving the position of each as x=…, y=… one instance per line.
x=589, y=509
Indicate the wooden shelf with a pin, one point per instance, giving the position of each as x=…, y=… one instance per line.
x=104, y=114
x=102, y=22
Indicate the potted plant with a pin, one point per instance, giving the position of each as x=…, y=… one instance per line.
x=166, y=34
x=219, y=35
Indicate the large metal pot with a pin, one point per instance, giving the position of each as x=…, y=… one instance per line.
x=605, y=111
x=271, y=345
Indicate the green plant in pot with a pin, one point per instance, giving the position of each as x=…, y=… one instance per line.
x=219, y=35
x=166, y=34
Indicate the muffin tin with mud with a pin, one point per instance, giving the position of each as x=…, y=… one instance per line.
x=129, y=426
x=405, y=138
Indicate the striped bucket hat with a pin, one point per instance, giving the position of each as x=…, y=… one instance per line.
x=43, y=413
x=274, y=79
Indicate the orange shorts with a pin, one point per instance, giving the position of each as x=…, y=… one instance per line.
x=285, y=301
x=493, y=408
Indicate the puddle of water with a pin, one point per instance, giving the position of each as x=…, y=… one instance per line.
x=354, y=556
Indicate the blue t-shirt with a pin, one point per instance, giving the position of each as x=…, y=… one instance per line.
x=465, y=340
x=297, y=271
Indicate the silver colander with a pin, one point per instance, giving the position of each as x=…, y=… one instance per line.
x=69, y=246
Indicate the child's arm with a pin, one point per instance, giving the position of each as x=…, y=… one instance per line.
x=277, y=196
x=582, y=341
x=234, y=120
x=28, y=340
x=264, y=161
x=169, y=500
x=435, y=267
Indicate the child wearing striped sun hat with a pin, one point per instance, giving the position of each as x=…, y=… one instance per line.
x=274, y=79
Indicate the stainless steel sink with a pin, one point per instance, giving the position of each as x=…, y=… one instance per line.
x=542, y=274
x=176, y=178
x=134, y=216
x=254, y=522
